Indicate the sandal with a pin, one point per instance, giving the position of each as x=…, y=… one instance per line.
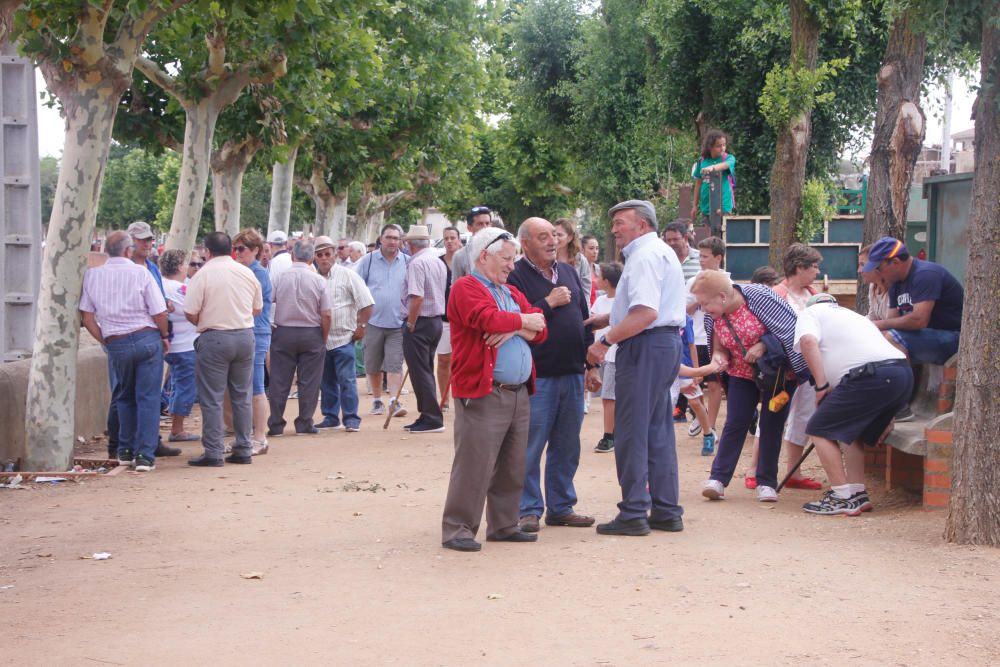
x=259, y=448
x=183, y=436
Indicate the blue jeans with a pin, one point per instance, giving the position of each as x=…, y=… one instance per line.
x=183, y=390
x=556, y=417
x=928, y=346
x=137, y=360
x=339, y=389
x=261, y=343
x=742, y=396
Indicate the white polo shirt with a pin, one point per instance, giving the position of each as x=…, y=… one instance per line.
x=652, y=278
x=846, y=339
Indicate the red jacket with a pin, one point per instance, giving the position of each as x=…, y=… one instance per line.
x=472, y=311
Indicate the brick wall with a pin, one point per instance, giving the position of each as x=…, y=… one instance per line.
x=938, y=462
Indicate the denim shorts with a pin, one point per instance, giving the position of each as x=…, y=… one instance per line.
x=927, y=346
x=262, y=342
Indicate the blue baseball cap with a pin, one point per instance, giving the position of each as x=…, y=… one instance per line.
x=885, y=248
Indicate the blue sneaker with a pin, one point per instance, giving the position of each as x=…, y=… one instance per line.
x=708, y=444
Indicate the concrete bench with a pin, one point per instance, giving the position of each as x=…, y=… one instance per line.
x=916, y=455
x=92, y=398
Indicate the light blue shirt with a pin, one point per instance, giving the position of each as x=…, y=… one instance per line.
x=652, y=278
x=513, y=365
x=385, y=281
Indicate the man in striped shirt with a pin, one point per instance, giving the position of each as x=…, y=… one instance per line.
x=351, y=305
x=124, y=310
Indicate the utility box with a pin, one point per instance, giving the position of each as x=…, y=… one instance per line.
x=20, y=206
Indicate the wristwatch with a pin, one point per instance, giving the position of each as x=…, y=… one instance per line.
x=604, y=341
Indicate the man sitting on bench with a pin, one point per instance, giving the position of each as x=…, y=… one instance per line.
x=861, y=382
x=925, y=305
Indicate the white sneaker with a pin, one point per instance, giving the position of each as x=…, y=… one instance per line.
x=713, y=490
x=396, y=408
x=765, y=494
x=694, y=428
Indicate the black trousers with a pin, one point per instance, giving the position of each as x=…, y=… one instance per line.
x=419, y=349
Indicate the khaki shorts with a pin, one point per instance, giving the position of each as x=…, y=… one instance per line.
x=383, y=350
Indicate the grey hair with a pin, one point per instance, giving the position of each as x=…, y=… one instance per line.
x=420, y=243
x=357, y=245
x=171, y=261
x=116, y=246
x=303, y=250
x=484, y=241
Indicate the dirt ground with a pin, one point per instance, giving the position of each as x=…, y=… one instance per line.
x=344, y=530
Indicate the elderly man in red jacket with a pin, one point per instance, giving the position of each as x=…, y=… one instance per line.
x=492, y=377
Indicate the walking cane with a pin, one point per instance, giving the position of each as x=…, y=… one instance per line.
x=399, y=391
x=797, y=465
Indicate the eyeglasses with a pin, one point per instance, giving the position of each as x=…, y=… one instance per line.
x=324, y=253
x=505, y=236
x=239, y=248
x=476, y=210
x=341, y=247
x=197, y=265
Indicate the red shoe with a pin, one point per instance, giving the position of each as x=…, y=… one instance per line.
x=750, y=482
x=803, y=483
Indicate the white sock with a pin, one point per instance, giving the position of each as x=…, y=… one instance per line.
x=842, y=492
x=857, y=488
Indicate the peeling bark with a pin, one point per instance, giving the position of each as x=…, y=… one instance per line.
x=90, y=91
x=788, y=175
x=898, y=136
x=282, y=182
x=229, y=165
x=201, y=117
x=199, y=128
x=974, y=516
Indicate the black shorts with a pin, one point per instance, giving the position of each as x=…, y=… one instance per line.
x=704, y=358
x=860, y=409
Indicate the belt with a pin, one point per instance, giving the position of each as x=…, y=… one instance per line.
x=108, y=339
x=868, y=369
x=508, y=387
x=664, y=329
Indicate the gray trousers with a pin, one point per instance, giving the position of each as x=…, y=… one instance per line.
x=645, y=450
x=224, y=360
x=419, y=350
x=491, y=438
x=302, y=350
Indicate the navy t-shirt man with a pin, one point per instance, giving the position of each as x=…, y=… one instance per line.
x=925, y=303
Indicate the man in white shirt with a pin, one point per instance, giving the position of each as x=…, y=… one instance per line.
x=281, y=259
x=646, y=320
x=862, y=381
x=352, y=305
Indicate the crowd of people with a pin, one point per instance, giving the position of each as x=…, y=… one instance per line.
x=516, y=333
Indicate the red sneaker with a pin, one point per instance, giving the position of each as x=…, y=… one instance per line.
x=803, y=483
x=750, y=482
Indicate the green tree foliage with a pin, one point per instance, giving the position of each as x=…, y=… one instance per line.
x=48, y=174
x=131, y=178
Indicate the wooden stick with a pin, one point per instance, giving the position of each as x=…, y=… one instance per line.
x=388, y=416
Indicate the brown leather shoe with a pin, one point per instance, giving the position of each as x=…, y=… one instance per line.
x=572, y=520
x=529, y=524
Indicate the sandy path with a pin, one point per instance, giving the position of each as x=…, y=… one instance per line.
x=359, y=577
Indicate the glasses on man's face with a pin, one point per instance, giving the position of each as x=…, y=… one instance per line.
x=197, y=265
x=477, y=210
x=239, y=248
x=325, y=253
x=341, y=247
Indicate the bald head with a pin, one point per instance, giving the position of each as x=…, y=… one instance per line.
x=117, y=244
x=537, y=236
